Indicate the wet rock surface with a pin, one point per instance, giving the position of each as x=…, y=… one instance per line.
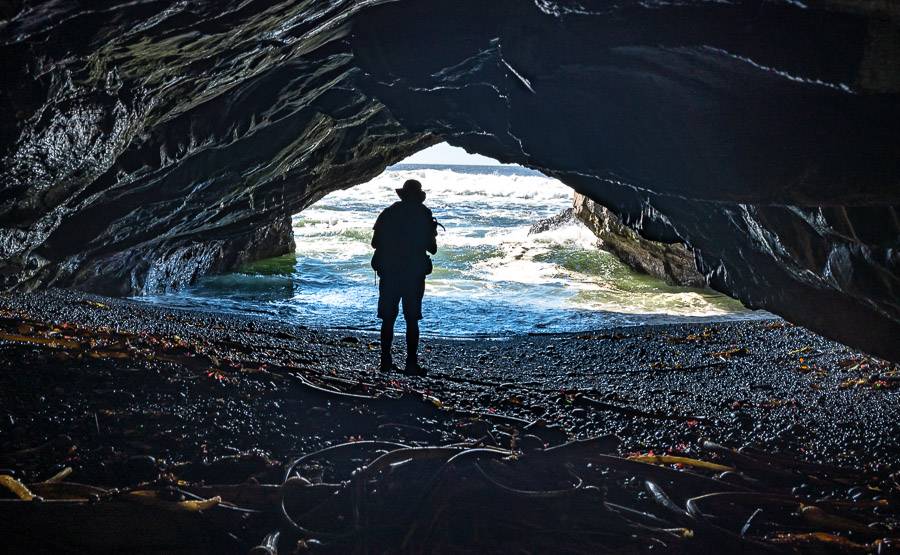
x=673, y=263
x=553, y=222
x=150, y=142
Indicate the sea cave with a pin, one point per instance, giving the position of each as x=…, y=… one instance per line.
x=748, y=150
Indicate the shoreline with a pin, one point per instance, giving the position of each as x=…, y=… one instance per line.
x=656, y=320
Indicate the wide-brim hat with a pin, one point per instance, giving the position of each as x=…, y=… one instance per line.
x=411, y=189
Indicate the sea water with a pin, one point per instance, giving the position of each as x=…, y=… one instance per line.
x=491, y=276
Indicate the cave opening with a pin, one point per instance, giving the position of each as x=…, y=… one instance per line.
x=514, y=257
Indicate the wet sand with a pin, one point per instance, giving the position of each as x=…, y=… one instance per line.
x=659, y=388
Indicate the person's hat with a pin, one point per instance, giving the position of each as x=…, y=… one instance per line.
x=411, y=189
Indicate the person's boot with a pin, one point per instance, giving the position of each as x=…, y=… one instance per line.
x=387, y=364
x=412, y=349
x=387, y=338
x=413, y=368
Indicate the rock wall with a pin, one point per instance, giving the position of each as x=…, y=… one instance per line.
x=145, y=142
x=672, y=262
x=172, y=267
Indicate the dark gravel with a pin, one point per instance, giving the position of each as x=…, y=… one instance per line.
x=766, y=383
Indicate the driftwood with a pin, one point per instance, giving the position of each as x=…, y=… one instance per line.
x=571, y=498
x=482, y=491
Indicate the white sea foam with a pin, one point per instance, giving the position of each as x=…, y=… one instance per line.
x=488, y=217
x=491, y=275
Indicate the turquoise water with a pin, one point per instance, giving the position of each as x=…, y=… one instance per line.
x=491, y=277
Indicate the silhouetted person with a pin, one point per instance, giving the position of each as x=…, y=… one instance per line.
x=404, y=232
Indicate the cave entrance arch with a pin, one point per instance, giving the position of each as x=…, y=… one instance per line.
x=514, y=258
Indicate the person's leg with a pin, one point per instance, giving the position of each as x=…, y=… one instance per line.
x=387, y=339
x=412, y=342
x=388, y=308
x=412, y=313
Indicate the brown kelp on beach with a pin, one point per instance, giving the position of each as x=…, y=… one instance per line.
x=386, y=496
x=380, y=463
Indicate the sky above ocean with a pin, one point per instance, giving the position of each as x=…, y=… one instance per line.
x=450, y=155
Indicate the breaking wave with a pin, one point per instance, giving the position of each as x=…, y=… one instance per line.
x=491, y=275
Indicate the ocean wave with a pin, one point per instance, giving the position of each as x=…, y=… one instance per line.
x=491, y=276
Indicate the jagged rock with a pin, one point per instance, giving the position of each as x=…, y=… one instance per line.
x=147, y=142
x=553, y=222
x=672, y=262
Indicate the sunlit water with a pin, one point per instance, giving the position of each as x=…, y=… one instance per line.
x=491, y=277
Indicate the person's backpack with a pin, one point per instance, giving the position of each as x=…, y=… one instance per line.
x=376, y=262
x=429, y=267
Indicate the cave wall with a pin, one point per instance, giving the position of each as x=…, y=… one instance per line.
x=145, y=143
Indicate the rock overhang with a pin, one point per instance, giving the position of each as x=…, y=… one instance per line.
x=145, y=145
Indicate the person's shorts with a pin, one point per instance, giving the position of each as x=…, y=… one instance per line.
x=393, y=289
